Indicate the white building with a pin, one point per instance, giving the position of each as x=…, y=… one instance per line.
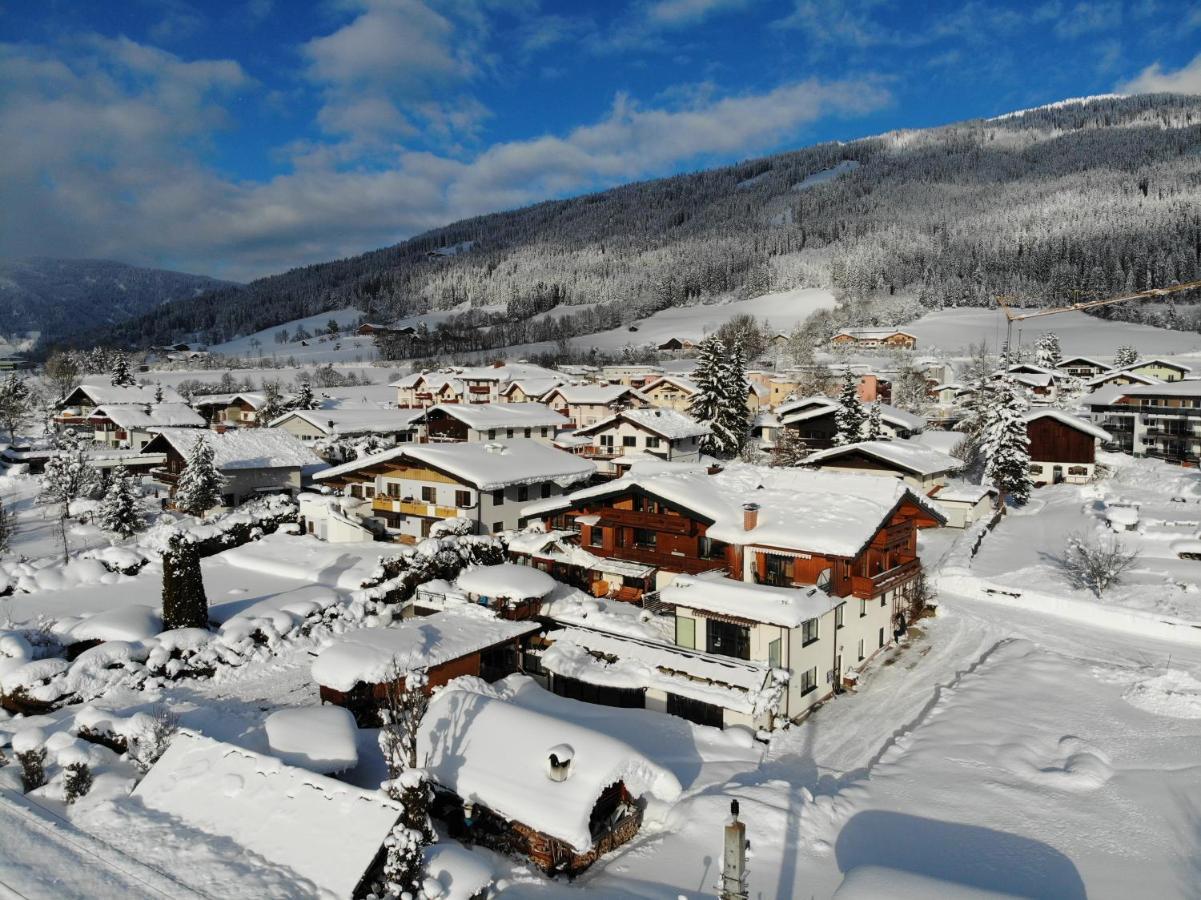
x=311, y=425
x=132, y=426
x=922, y=467
x=492, y=421
x=632, y=433
x=587, y=404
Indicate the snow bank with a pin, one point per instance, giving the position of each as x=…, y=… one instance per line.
x=1175, y=694
x=126, y=623
x=320, y=738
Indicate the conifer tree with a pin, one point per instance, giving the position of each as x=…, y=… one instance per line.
x=707, y=402
x=874, y=429
x=850, y=416
x=790, y=449
x=16, y=404
x=6, y=528
x=732, y=420
x=119, y=509
x=158, y=392
x=185, y=604
x=120, y=374
x=1125, y=356
x=1005, y=445
x=199, y=487
x=273, y=403
x=1047, y=352
x=304, y=398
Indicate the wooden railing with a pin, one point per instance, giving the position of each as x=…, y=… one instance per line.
x=414, y=508
x=649, y=521
x=871, y=586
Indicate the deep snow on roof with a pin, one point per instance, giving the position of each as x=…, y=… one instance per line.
x=787, y=607
x=487, y=749
x=487, y=466
x=164, y=415
x=368, y=654
x=253, y=399
x=507, y=580
x=103, y=393
x=685, y=384
x=351, y=420
x=1068, y=419
x=245, y=448
x=668, y=423
x=805, y=510
x=485, y=416
x=908, y=455
x=591, y=394
x=326, y=831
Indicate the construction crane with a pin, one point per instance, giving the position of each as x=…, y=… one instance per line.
x=1151, y=294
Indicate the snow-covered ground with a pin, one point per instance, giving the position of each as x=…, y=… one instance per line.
x=954, y=330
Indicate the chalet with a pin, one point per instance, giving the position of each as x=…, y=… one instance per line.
x=924, y=468
x=1160, y=369
x=539, y=776
x=1162, y=420
x=671, y=345
x=492, y=421
x=758, y=396
x=1063, y=447
x=658, y=433
x=468, y=384
x=1040, y=383
x=370, y=329
x=852, y=535
x=815, y=420
x=587, y=404
x=671, y=392
x=73, y=409
x=1083, y=367
x=886, y=338
x=232, y=410
x=1118, y=380
x=398, y=426
x=414, y=486
x=782, y=387
x=328, y=833
x=424, y=389
x=528, y=390
x=634, y=376
x=131, y=426
x=251, y=462
x=357, y=669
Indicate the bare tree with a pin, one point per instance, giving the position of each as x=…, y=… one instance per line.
x=1096, y=563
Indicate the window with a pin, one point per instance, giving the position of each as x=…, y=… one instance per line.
x=883, y=599
x=629, y=440
x=523, y=493
x=728, y=639
x=838, y=617
x=542, y=431
x=652, y=443
x=528, y=432
x=862, y=607
x=508, y=432
x=881, y=637
x=498, y=526
x=606, y=441
x=861, y=650
x=596, y=536
x=393, y=489
x=645, y=538
x=498, y=496
x=545, y=489
x=429, y=494
x=369, y=491
x=773, y=654
x=809, y=681
x=462, y=499
x=808, y=632
x=686, y=633
x=491, y=434
x=777, y=571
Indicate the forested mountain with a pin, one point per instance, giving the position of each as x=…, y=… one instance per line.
x=1068, y=201
x=75, y=296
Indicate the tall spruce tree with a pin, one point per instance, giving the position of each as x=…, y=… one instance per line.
x=707, y=402
x=790, y=449
x=874, y=429
x=732, y=421
x=850, y=416
x=1125, y=356
x=120, y=375
x=6, y=527
x=304, y=398
x=16, y=404
x=119, y=509
x=185, y=604
x=1047, y=352
x=199, y=487
x=273, y=403
x=1005, y=445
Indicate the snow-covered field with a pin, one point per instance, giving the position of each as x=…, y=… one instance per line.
x=954, y=330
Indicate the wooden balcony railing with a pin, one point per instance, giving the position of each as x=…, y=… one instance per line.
x=414, y=508
x=868, y=587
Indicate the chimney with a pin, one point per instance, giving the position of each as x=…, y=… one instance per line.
x=558, y=762
x=750, y=516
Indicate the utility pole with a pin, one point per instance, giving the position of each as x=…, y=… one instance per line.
x=733, y=858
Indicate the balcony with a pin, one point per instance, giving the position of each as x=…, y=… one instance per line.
x=414, y=508
x=870, y=586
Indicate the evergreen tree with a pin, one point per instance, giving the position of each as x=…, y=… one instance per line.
x=273, y=403
x=119, y=510
x=707, y=402
x=185, y=604
x=405, y=705
x=874, y=430
x=16, y=404
x=1125, y=356
x=790, y=449
x=304, y=398
x=1005, y=445
x=199, y=487
x=158, y=392
x=120, y=374
x=6, y=528
x=850, y=416
x=732, y=420
x=1047, y=352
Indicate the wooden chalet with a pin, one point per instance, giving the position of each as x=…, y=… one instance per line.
x=1063, y=447
x=873, y=338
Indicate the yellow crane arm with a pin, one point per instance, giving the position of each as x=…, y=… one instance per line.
x=1150, y=294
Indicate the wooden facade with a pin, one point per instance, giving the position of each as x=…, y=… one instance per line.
x=1054, y=441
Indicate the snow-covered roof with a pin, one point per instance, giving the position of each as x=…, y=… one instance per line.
x=326, y=831
x=687, y=385
x=503, y=373
x=1163, y=363
x=1183, y=388
x=245, y=448
x=351, y=420
x=1087, y=360
x=806, y=404
x=667, y=423
x=908, y=455
x=815, y=407
x=487, y=416
x=1030, y=379
x=787, y=607
x=490, y=750
x=131, y=415
x=367, y=654
x=253, y=399
x=507, y=580
x=872, y=333
x=533, y=387
x=633, y=663
x=1068, y=419
x=317, y=738
x=104, y=394
x=591, y=394
x=964, y=493
x=487, y=466
x=804, y=510
x=1106, y=377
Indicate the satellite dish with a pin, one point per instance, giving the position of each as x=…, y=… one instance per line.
x=823, y=579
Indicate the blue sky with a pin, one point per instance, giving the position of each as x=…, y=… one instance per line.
x=242, y=138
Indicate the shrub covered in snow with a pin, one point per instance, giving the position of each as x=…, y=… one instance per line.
x=28, y=745
x=1095, y=562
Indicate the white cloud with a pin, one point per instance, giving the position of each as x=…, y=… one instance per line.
x=674, y=13
x=1154, y=79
